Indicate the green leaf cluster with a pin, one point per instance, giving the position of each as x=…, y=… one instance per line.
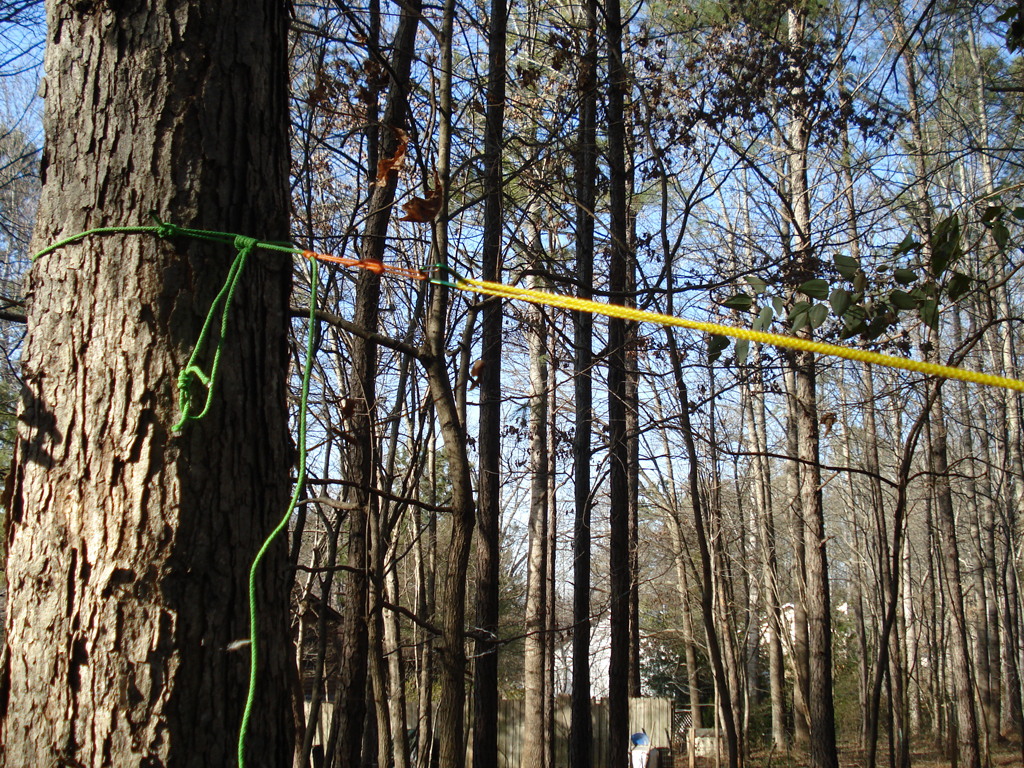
x=870, y=307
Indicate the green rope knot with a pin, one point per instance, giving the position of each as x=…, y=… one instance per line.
x=165, y=229
x=245, y=246
x=244, y=243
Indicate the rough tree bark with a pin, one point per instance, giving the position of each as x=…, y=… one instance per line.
x=130, y=544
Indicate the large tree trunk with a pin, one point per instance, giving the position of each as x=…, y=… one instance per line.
x=130, y=544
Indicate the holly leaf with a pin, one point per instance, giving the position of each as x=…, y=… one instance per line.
x=764, y=319
x=798, y=315
x=846, y=266
x=945, y=245
x=1001, y=235
x=424, y=209
x=992, y=213
x=840, y=301
x=741, y=302
x=902, y=300
x=908, y=244
x=817, y=315
x=742, y=349
x=816, y=289
x=759, y=285
x=959, y=284
x=930, y=313
x=905, y=276
x=716, y=346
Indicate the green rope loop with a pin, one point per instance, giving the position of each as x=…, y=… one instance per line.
x=192, y=371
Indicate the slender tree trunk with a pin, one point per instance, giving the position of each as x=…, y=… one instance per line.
x=632, y=427
x=129, y=545
x=699, y=504
x=396, y=665
x=378, y=666
x=989, y=670
x=820, y=710
x=551, y=542
x=801, y=717
x=580, y=733
x=679, y=556
x=355, y=627
x=452, y=608
x=485, y=667
x=962, y=674
x=536, y=569
x=427, y=569
x=618, y=448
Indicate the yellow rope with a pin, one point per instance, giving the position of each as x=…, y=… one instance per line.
x=791, y=342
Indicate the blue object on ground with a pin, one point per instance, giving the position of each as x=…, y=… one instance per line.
x=640, y=739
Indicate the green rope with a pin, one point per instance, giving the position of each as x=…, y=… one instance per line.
x=244, y=246
x=299, y=483
x=191, y=370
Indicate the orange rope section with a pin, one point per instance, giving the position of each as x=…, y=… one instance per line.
x=376, y=266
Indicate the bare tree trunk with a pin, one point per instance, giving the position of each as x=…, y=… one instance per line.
x=989, y=659
x=801, y=716
x=618, y=448
x=536, y=569
x=817, y=595
x=580, y=733
x=485, y=666
x=396, y=665
x=679, y=556
x=765, y=522
x=378, y=667
x=452, y=608
x=551, y=542
x=353, y=665
x=699, y=504
x=962, y=675
x=426, y=549
x=129, y=545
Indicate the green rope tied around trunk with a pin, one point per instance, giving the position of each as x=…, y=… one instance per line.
x=244, y=246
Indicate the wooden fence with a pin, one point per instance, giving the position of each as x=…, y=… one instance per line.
x=652, y=715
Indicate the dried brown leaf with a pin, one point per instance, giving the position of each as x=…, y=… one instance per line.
x=424, y=209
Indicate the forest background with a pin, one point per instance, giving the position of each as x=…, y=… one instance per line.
x=506, y=500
